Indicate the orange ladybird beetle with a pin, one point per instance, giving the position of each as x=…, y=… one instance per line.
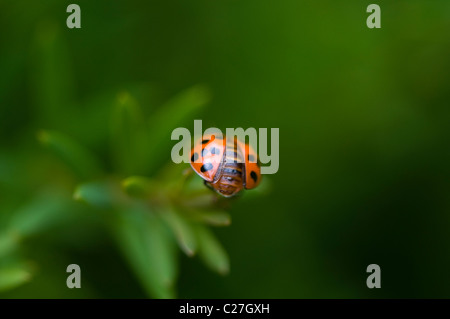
x=220, y=162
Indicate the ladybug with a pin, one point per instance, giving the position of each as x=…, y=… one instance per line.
x=221, y=163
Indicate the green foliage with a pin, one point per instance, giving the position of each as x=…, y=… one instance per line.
x=43, y=211
x=182, y=229
x=148, y=247
x=211, y=251
x=364, y=133
x=147, y=215
x=128, y=135
x=169, y=116
x=84, y=164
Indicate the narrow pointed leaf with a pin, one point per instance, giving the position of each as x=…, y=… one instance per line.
x=178, y=108
x=149, y=249
x=182, y=230
x=82, y=162
x=202, y=200
x=42, y=212
x=214, y=218
x=211, y=251
x=128, y=134
x=194, y=184
x=97, y=194
x=162, y=251
x=138, y=186
x=172, y=115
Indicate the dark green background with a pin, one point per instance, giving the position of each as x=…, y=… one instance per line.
x=364, y=119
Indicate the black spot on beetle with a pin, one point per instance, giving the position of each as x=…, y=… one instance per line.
x=204, y=152
x=254, y=176
x=251, y=158
x=194, y=157
x=206, y=167
x=215, y=150
x=205, y=141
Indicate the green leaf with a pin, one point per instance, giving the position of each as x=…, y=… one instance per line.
x=42, y=212
x=171, y=115
x=202, y=200
x=128, y=135
x=82, y=162
x=215, y=218
x=178, y=108
x=194, y=184
x=13, y=276
x=182, y=230
x=97, y=194
x=94, y=109
x=138, y=186
x=211, y=251
x=149, y=248
x=195, y=194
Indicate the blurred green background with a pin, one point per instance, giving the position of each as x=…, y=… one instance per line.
x=364, y=123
